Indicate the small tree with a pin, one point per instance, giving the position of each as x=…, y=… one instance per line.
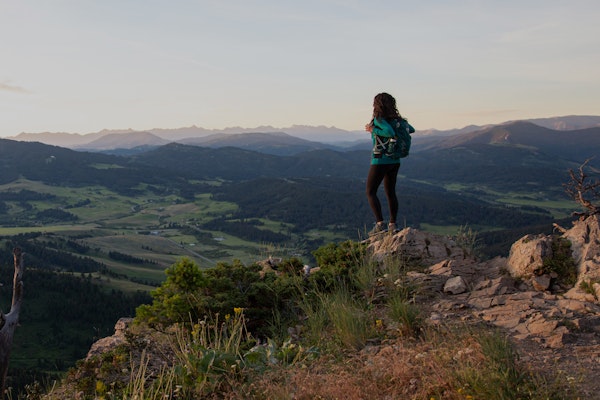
x=585, y=191
x=8, y=322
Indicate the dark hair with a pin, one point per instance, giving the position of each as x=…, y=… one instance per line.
x=384, y=106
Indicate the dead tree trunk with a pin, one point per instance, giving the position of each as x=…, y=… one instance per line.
x=8, y=322
x=585, y=192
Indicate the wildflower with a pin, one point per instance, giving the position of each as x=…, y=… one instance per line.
x=237, y=310
x=101, y=387
x=379, y=324
x=195, y=330
x=227, y=317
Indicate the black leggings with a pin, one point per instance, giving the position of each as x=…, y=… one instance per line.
x=386, y=173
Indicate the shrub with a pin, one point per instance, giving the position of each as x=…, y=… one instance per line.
x=189, y=294
x=561, y=263
x=337, y=262
x=174, y=300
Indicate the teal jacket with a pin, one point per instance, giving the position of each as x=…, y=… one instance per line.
x=383, y=128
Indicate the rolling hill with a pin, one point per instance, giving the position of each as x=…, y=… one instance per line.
x=277, y=143
x=575, y=145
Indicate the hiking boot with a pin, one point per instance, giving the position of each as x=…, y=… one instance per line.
x=378, y=228
x=392, y=228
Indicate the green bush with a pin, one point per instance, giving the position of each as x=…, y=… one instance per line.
x=190, y=293
x=337, y=263
x=561, y=262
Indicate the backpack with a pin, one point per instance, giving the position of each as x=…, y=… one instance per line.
x=398, y=146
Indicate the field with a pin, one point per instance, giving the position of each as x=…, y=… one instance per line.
x=137, y=237
x=559, y=206
x=158, y=229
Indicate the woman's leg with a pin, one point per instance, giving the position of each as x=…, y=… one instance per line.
x=374, y=178
x=389, y=184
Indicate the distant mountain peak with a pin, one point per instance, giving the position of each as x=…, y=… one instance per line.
x=127, y=140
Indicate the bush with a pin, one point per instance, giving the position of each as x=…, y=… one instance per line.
x=561, y=262
x=190, y=294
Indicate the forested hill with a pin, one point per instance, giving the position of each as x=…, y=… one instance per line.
x=473, y=162
x=52, y=164
x=237, y=164
x=500, y=153
x=574, y=145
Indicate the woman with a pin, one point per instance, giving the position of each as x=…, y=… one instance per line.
x=384, y=166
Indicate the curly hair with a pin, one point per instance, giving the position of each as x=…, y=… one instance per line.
x=384, y=106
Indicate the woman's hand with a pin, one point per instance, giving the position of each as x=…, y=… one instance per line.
x=369, y=127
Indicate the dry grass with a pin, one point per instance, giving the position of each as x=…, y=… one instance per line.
x=396, y=369
x=444, y=364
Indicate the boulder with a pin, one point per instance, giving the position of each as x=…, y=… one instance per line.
x=455, y=285
x=584, y=237
x=527, y=255
x=541, y=282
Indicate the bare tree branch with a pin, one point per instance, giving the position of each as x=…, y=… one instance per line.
x=8, y=322
x=584, y=191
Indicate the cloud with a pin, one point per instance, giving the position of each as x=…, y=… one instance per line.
x=12, y=88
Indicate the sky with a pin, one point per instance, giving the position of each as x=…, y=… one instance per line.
x=81, y=66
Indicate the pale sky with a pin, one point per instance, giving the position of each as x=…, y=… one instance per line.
x=80, y=66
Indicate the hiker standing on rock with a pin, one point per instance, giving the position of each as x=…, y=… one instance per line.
x=385, y=127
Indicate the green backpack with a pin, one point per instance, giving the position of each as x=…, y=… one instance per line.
x=398, y=146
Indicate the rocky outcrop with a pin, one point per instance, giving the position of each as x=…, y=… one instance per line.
x=585, y=245
x=527, y=256
x=109, y=343
x=517, y=293
x=425, y=247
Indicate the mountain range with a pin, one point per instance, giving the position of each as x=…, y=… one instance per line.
x=521, y=147
x=286, y=141
x=100, y=140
